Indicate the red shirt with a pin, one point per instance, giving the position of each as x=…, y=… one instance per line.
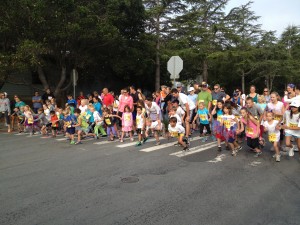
x=108, y=99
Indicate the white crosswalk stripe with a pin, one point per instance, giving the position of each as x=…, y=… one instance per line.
x=194, y=150
x=134, y=143
x=158, y=147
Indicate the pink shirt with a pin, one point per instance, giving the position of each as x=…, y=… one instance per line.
x=250, y=129
x=125, y=100
x=127, y=119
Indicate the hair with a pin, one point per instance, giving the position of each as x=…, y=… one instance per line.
x=133, y=88
x=139, y=107
x=217, y=85
x=174, y=91
x=107, y=110
x=173, y=109
x=252, y=86
x=176, y=101
x=229, y=107
x=173, y=120
x=291, y=113
x=148, y=119
x=77, y=110
x=141, y=103
x=149, y=99
x=220, y=101
x=262, y=98
x=126, y=107
x=41, y=110
x=249, y=98
x=270, y=112
x=276, y=94
x=201, y=103
x=70, y=95
x=52, y=112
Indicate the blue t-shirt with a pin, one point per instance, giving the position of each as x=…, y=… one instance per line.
x=203, y=115
x=37, y=105
x=193, y=98
x=72, y=102
x=71, y=119
x=89, y=116
x=98, y=107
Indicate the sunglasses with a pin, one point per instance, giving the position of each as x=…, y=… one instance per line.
x=216, y=88
x=266, y=91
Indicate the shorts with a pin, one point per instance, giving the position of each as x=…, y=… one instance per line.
x=48, y=124
x=71, y=130
x=6, y=116
x=139, y=131
x=253, y=143
x=292, y=135
x=192, y=116
x=134, y=115
x=54, y=128
x=281, y=134
x=231, y=140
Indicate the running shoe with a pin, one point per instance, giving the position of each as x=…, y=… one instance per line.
x=291, y=152
x=78, y=143
x=219, y=148
x=138, y=143
x=257, y=154
x=145, y=139
x=233, y=153
x=157, y=143
x=131, y=139
x=177, y=144
x=239, y=148
x=121, y=141
x=72, y=142
x=185, y=148
x=277, y=158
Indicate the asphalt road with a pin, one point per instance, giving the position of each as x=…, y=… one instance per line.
x=47, y=181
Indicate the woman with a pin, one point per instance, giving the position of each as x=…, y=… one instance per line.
x=124, y=99
x=18, y=104
x=266, y=94
x=288, y=95
x=5, y=110
x=253, y=94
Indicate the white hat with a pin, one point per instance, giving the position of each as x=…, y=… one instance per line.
x=191, y=89
x=295, y=103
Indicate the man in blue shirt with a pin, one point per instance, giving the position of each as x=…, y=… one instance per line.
x=37, y=102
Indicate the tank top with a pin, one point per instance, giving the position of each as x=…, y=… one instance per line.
x=250, y=128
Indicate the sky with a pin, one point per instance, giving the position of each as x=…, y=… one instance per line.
x=275, y=15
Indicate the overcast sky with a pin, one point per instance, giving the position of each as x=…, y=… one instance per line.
x=275, y=15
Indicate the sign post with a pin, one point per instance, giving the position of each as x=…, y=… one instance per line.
x=74, y=81
x=175, y=66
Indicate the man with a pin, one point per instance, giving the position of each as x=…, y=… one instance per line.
x=254, y=109
x=218, y=95
x=205, y=96
x=152, y=109
x=5, y=110
x=189, y=107
x=48, y=95
x=37, y=102
x=108, y=99
x=197, y=88
x=179, y=87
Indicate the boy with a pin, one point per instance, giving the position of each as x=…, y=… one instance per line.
x=140, y=125
x=54, y=123
x=70, y=121
x=205, y=118
x=176, y=130
x=173, y=113
x=155, y=128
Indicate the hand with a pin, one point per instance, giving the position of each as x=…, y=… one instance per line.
x=187, y=119
x=284, y=127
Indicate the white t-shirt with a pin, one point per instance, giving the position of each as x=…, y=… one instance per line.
x=154, y=109
x=177, y=130
x=47, y=114
x=97, y=118
x=183, y=99
x=228, y=121
x=116, y=105
x=139, y=121
x=292, y=122
x=180, y=112
x=83, y=108
x=273, y=134
x=179, y=121
x=154, y=125
x=276, y=109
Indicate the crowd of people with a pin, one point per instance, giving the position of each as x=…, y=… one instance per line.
x=216, y=115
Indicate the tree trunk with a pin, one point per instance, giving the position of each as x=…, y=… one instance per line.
x=157, y=57
x=62, y=80
x=205, y=70
x=42, y=77
x=243, y=81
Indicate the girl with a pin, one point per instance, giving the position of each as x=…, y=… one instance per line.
x=98, y=120
x=272, y=127
x=109, y=121
x=292, y=126
x=54, y=123
x=262, y=102
x=217, y=128
x=230, y=123
x=127, y=122
x=155, y=127
x=205, y=118
x=140, y=124
x=28, y=113
x=251, y=126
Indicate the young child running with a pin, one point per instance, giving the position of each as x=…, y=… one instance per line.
x=140, y=125
x=273, y=128
x=28, y=113
x=230, y=125
x=155, y=127
x=70, y=121
x=205, y=118
x=292, y=126
x=173, y=113
x=252, y=128
x=217, y=114
x=109, y=121
x=54, y=123
x=98, y=120
x=176, y=130
x=127, y=123
x=42, y=121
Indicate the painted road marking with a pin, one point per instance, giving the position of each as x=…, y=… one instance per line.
x=194, y=150
x=219, y=158
x=134, y=143
x=154, y=148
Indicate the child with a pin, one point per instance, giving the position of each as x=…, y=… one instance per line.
x=230, y=123
x=127, y=122
x=155, y=127
x=140, y=124
x=217, y=128
x=292, y=126
x=273, y=128
x=205, y=118
x=173, y=113
x=43, y=121
x=70, y=121
x=54, y=123
x=98, y=120
x=177, y=130
x=252, y=130
x=28, y=113
x=109, y=122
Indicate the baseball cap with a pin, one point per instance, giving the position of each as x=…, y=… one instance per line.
x=191, y=89
x=295, y=104
x=179, y=85
x=204, y=84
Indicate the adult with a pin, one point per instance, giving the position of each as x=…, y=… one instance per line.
x=241, y=95
x=152, y=109
x=18, y=104
x=192, y=95
x=37, y=102
x=80, y=97
x=289, y=94
x=218, y=95
x=254, y=109
x=179, y=87
x=236, y=99
x=205, y=96
x=140, y=93
x=266, y=94
x=124, y=99
x=189, y=107
x=97, y=105
x=296, y=98
x=48, y=95
x=5, y=110
x=135, y=97
x=253, y=94
x=108, y=99
x=197, y=88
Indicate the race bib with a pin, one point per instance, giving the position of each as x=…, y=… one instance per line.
x=249, y=130
x=237, y=117
x=278, y=117
x=214, y=102
x=54, y=124
x=107, y=121
x=227, y=124
x=201, y=101
x=272, y=137
x=68, y=124
x=138, y=120
x=293, y=125
x=30, y=121
x=219, y=118
x=174, y=134
x=203, y=117
x=127, y=117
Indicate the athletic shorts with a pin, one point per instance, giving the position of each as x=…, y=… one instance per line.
x=139, y=131
x=192, y=116
x=71, y=130
x=291, y=135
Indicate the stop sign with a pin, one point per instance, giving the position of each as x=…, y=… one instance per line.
x=175, y=65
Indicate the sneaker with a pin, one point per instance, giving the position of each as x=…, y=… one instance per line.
x=78, y=143
x=291, y=152
x=157, y=143
x=96, y=137
x=185, y=148
x=239, y=148
x=121, y=141
x=145, y=139
x=257, y=154
x=135, y=134
x=131, y=139
x=277, y=158
x=204, y=139
x=104, y=135
x=233, y=153
x=219, y=148
x=177, y=144
x=138, y=143
x=72, y=142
